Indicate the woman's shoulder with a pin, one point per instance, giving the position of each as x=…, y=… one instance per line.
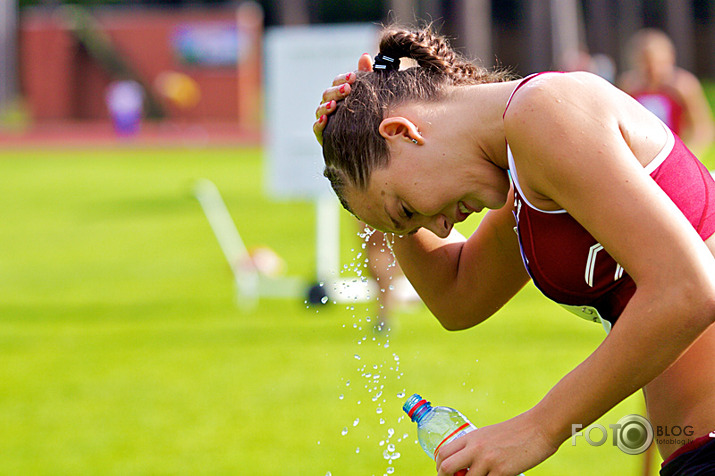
x=560, y=93
x=557, y=84
x=685, y=82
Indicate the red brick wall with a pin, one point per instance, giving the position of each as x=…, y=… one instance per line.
x=59, y=79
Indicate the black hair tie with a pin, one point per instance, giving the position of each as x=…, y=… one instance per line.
x=385, y=63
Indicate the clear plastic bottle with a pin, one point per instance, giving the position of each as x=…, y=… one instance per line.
x=436, y=426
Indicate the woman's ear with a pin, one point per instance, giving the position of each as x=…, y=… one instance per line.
x=400, y=128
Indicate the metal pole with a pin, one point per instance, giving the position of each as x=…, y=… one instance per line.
x=403, y=12
x=476, y=22
x=679, y=21
x=327, y=245
x=8, y=48
x=294, y=12
x=539, y=36
x=566, y=30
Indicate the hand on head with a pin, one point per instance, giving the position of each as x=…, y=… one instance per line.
x=339, y=89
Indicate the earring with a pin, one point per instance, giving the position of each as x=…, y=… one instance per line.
x=414, y=141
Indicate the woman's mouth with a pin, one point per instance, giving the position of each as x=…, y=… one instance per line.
x=462, y=212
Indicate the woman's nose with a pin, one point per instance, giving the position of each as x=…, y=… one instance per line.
x=439, y=225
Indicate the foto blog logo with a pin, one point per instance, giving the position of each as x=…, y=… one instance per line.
x=633, y=434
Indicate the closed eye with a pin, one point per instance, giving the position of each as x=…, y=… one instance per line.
x=408, y=214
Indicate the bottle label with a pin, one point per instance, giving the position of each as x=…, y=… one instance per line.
x=461, y=431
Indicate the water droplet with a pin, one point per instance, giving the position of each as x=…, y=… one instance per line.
x=390, y=432
x=341, y=396
x=391, y=448
x=355, y=423
x=401, y=394
x=390, y=470
x=328, y=474
x=378, y=410
x=345, y=431
x=357, y=357
x=357, y=450
x=324, y=299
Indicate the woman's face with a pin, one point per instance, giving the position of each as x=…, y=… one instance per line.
x=431, y=186
x=657, y=60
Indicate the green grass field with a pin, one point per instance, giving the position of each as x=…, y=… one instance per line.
x=122, y=350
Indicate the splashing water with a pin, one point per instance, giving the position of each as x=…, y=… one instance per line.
x=376, y=368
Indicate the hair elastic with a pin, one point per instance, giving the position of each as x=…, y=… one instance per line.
x=385, y=63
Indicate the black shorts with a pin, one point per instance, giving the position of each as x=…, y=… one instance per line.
x=698, y=462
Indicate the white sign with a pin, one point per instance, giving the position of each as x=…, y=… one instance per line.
x=300, y=63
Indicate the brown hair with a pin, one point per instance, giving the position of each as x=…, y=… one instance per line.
x=352, y=144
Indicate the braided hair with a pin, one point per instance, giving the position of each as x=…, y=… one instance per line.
x=352, y=144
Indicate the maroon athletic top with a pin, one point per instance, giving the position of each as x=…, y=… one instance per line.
x=664, y=103
x=570, y=267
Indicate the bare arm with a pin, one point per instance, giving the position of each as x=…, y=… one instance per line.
x=566, y=137
x=580, y=160
x=700, y=129
x=463, y=282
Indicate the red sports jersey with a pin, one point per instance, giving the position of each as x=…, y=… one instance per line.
x=664, y=103
x=570, y=267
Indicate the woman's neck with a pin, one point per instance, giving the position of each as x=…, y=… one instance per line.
x=479, y=110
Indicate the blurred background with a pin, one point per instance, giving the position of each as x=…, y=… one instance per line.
x=161, y=307
x=84, y=49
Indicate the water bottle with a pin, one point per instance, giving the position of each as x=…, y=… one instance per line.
x=436, y=426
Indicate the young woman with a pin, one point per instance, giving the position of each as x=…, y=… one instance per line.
x=672, y=93
x=613, y=218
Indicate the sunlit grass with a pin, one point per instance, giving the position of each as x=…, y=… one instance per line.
x=122, y=350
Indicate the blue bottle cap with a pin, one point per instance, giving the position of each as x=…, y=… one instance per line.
x=416, y=406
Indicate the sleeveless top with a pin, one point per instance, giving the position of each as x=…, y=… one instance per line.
x=571, y=268
x=664, y=103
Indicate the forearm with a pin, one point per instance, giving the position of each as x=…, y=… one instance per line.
x=430, y=264
x=465, y=282
x=643, y=343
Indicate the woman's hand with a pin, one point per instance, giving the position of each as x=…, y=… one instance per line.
x=504, y=449
x=339, y=89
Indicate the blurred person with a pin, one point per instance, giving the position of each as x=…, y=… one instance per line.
x=670, y=92
x=614, y=219
x=383, y=268
x=125, y=102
